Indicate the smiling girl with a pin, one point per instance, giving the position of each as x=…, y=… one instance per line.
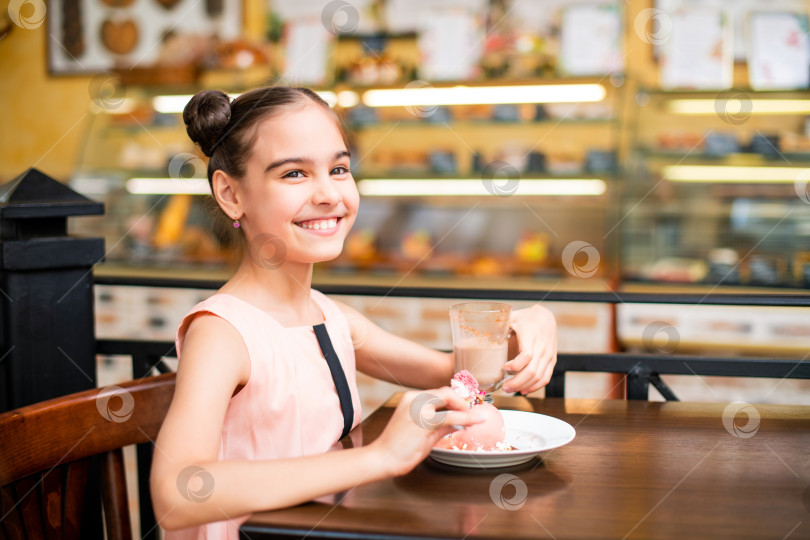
x=266, y=378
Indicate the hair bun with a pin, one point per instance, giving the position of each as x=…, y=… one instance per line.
x=206, y=116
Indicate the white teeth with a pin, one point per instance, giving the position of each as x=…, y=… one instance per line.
x=320, y=224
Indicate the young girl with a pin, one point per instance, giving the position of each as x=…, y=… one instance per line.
x=266, y=379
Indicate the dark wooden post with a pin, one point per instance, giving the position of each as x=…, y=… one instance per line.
x=47, y=334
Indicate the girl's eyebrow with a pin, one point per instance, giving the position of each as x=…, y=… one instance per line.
x=303, y=160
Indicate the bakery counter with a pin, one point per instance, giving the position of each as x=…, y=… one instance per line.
x=415, y=307
x=212, y=277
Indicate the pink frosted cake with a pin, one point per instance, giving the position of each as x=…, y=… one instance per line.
x=489, y=435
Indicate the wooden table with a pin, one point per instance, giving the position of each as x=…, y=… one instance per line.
x=635, y=470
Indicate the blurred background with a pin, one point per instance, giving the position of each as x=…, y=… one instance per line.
x=642, y=145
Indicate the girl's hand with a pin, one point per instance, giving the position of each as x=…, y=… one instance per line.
x=536, y=333
x=417, y=423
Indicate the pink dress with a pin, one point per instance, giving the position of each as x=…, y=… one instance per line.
x=289, y=406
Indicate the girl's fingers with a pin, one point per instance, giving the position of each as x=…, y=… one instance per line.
x=431, y=420
x=435, y=409
x=461, y=418
x=539, y=365
x=518, y=362
x=550, y=363
x=526, y=377
x=537, y=351
x=449, y=398
x=547, y=369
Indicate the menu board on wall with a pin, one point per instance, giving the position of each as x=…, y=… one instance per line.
x=86, y=36
x=778, y=51
x=698, y=53
x=306, y=52
x=590, y=42
x=450, y=46
x=403, y=16
x=737, y=11
x=342, y=17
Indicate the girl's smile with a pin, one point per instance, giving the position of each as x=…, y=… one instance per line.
x=322, y=226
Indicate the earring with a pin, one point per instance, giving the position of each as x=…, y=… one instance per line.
x=236, y=224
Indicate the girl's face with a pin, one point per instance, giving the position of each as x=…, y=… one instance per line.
x=298, y=196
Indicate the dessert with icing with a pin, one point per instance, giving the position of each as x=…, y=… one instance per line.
x=488, y=435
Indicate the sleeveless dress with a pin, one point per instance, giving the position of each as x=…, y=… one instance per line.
x=289, y=406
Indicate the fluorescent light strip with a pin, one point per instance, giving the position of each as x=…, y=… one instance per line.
x=168, y=186
x=171, y=104
x=476, y=95
x=713, y=173
x=176, y=103
x=476, y=187
x=347, y=98
x=740, y=106
x=113, y=105
x=398, y=187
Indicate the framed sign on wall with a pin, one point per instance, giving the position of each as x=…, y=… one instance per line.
x=93, y=36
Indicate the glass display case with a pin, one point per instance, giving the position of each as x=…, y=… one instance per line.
x=463, y=191
x=482, y=190
x=712, y=190
x=716, y=189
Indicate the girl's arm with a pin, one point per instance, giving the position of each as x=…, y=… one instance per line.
x=190, y=486
x=532, y=352
x=397, y=360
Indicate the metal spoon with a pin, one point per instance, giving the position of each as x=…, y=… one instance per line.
x=497, y=385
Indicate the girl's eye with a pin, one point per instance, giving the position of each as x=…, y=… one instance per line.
x=294, y=174
x=340, y=169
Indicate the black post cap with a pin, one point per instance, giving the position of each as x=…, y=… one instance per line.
x=34, y=194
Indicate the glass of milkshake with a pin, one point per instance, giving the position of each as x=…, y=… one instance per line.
x=481, y=341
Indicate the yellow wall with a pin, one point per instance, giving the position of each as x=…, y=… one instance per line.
x=44, y=118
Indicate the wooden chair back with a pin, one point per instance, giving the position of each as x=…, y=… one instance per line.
x=46, y=451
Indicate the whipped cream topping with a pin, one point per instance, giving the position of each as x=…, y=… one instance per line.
x=461, y=389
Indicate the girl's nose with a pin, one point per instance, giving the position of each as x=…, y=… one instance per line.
x=326, y=191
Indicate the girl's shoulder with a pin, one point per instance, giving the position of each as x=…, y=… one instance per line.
x=214, y=313
x=220, y=305
x=207, y=335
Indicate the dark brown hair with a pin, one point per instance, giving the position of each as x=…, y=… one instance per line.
x=226, y=130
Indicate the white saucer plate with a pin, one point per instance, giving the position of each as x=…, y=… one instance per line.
x=528, y=433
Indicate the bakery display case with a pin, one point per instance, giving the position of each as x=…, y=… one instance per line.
x=522, y=171
x=716, y=189
x=705, y=195
x=488, y=190
x=477, y=192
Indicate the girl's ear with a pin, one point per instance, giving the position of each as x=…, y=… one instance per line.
x=226, y=191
